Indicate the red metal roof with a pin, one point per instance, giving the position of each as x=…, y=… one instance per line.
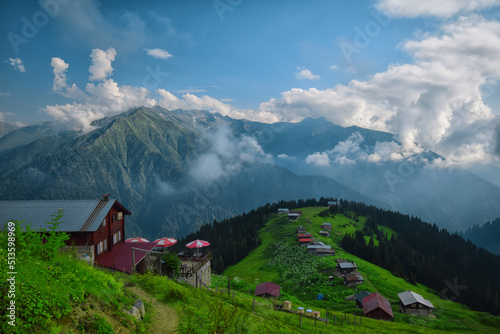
x=120, y=257
x=304, y=235
x=305, y=240
x=267, y=288
x=374, y=301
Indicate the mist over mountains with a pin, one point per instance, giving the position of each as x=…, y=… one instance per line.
x=176, y=170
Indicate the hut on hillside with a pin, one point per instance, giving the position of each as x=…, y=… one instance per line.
x=267, y=290
x=377, y=307
x=413, y=303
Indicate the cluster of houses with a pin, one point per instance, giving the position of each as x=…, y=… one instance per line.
x=375, y=306
x=315, y=247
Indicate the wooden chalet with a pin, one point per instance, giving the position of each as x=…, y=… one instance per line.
x=331, y=203
x=327, y=226
x=345, y=268
x=325, y=252
x=304, y=235
x=267, y=290
x=294, y=215
x=315, y=248
x=353, y=279
x=324, y=233
x=377, y=307
x=283, y=211
x=96, y=228
x=358, y=297
x=304, y=241
x=413, y=303
x=301, y=229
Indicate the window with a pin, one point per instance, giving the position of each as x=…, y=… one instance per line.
x=120, y=215
x=103, y=223
x=102, y=246
x=114, y=216
x=117, y=237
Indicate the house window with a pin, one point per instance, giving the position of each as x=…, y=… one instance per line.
x=103, y=223
x=114, y=217
x=117, y=237
x=102, y=246
x=120, y=215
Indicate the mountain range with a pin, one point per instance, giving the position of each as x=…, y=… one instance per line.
x=178, y=169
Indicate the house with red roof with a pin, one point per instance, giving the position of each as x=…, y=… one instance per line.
x=96, y=227
x=267, y=290
x=377, y=307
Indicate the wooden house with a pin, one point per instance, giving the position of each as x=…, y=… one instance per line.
x=301, y=229
x=304, y=235
x=304, y=241
x=358, y=297
x=377, y=307
x=294, y=215
x=315, y=248
x=353, y=279
x=332, y=203
x=413, y=303
x=267, y=290
x=327, y=226
x=96, y=228
x=283, y=211
x=345, y=268
x=324, y=233
x=325, y=252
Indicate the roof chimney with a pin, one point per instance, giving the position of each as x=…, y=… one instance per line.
x=105, y=197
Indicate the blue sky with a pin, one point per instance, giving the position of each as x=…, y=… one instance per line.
x=424, y=72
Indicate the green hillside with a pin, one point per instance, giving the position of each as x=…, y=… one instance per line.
x=56, y=293
x=305, y=284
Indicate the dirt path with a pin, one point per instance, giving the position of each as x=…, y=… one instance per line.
x=165, y=319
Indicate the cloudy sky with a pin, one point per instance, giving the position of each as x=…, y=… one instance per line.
x=426, y=71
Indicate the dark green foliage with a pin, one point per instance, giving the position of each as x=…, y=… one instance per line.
x=172, y=262
x=486, y=236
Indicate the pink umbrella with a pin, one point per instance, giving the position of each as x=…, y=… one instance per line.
x=197, y=244
x=165, y=242
x=137, y=239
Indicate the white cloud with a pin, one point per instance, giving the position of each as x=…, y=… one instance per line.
x=106, y=98
x=427, y=103
x=59, y=68
x=318, y=159
x=17, y=63
x=189, y=101
x=159, y=53
x=4, y=94
x=227, y=155
x=306, y=74
x=101, y=63
x=443, y=8
x=334, y=67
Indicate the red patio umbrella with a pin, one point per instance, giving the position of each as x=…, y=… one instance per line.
x=137, y=239
x=165, y=242
x=197, y=244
